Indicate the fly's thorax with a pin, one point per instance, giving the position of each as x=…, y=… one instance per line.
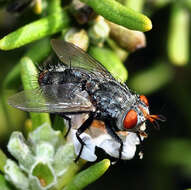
x=91, y=86
x=108, y=97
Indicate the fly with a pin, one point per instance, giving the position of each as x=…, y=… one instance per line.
x=79, y=84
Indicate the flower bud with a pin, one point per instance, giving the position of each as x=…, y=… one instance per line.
x=99, y=31
x=77, y=37
x=128, y=39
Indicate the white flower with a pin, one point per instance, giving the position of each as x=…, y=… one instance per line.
x=111, y=147
x=88, y=152
x=98, y=136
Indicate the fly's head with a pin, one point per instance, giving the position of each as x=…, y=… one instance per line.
x=43, y=77
x=133, y=119
x=48, y=77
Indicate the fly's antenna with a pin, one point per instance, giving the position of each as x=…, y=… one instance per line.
x=153, y=118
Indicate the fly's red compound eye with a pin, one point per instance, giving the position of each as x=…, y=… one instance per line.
x=144, y=100
x=130, y=120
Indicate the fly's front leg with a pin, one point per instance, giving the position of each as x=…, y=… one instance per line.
x=84, y=126
x=110, y=129
x=141, y=150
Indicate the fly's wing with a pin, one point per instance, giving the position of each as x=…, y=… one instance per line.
x=65, y=98
x=75, y=57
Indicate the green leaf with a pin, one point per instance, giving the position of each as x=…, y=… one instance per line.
x=119, y=14
x=45, y=133
x=121, y=53
x=12, y=80
x=135, y=5
x=18, y=148
x=54, y=6
x=59, y=124
x=39, y=50
x=35, y=30
x=64, y=164
x=82, y=179
x=110, y=61
x=3, y=159
x=3, y=184
x=178, y=36
x=15, y=175
x=29, y=80
x=152, y=79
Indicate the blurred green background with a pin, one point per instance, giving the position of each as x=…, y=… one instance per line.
x=161, y=71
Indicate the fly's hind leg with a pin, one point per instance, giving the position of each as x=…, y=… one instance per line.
x=84, y=126
x=68, y=119
x=69, y=124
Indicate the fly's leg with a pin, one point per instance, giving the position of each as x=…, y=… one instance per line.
x=84, y=126
x=69, y=124
x=138, y=134
x=68, y=119
x=63, y=115
x=111, y=131
x=141, y=145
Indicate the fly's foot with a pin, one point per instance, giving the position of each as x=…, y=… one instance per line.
x=81, y=149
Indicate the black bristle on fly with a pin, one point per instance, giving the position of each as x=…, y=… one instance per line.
x=49, y=65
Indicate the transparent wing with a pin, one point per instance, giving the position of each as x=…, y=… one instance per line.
x=53, y=98
x=72, y=55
